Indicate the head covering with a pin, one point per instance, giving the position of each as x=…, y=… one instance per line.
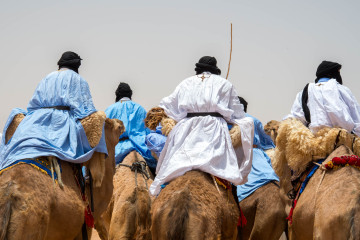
x=328, y=69
x=70, y=60
x=123, y=90
x=243, y=102
x=207, y=64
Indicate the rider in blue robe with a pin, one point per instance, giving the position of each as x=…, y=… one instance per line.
x=261, y=170
x=51, y=126
x=132, y=115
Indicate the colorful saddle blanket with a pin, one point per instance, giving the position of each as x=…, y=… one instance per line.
x=42, y=164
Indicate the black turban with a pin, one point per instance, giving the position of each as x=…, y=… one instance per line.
x=70, y=60
x=207, y=64
x=123, y=90
x=328, y=69
x=243, y=102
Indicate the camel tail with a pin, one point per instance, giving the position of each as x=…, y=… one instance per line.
x=5, y=208
x=143, y=218
x=178, y=217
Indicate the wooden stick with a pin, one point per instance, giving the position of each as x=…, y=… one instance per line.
x=230, y=55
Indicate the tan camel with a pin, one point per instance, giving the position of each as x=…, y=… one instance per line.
x=271, y=129
x=328, y=207
x=128, y=214
x=191, y=207
x=265, y=214
x=32, y=207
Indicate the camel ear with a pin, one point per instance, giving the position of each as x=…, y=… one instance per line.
x=96, y=165
x=13, y=126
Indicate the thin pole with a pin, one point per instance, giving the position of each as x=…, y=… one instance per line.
x=230, y=55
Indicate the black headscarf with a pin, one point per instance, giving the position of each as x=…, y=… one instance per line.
x=243, y=102
x=207, y=64
x=123, y=90
x=328, y=69
x=70, y=60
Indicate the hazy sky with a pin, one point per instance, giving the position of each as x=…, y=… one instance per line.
x=153, y=45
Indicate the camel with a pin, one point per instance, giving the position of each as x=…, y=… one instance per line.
x=328, y=206
x=265, y=214
x=271, y=129
x=191, y=207
x=128, y=214
x=32, y=207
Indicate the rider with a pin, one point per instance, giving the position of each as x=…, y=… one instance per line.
x=52, y=124
x=327, y=103
x=202, y=105
x=261, y=170
x=132, y=115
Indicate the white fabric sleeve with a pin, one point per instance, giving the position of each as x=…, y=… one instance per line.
x=171, y=104
x=296, y=109
x=353, y=105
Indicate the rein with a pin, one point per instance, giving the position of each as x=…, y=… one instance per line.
x=138, y=166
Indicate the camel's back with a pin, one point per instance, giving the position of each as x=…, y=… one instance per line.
x=194, y=201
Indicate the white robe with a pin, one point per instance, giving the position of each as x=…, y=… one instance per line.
x=204, y=143
x=331, y=104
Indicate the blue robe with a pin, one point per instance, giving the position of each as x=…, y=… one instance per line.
x=155, y=141
x=261, y=169
x=51, y=132
x=132, y=115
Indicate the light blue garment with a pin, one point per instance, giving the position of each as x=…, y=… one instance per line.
x=155, y=141
x=261, y=169
x=50, y=132
x=132, y=115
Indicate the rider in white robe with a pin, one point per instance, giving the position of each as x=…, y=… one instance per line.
x=203, y=142
x=330, y=103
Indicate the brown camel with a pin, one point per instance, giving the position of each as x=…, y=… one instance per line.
x=128, y=214
x=32, y=207
x=265, y=214
x=271, y=129
x=329, y=206
x=191, y=207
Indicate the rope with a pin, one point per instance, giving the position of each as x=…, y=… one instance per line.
x=138, y=166
x=216, y=184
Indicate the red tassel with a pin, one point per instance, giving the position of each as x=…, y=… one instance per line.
x=89, y=218
x=289, y=218
x=242, y=219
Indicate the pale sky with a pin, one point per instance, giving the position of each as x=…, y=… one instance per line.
x=154, y=45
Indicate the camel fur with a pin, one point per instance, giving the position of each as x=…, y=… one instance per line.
x=93, y=125
x=329, y=207
x=271, y=129
x=265, y=214
x=167, y=125
x=13, y=126
x=154, y=117
x=297, y=146
x=191, y=207
x=128, y=214
x=32, y=208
